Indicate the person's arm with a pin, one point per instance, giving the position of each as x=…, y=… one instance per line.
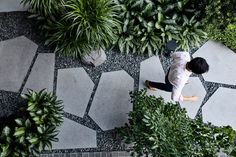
x=176, y=94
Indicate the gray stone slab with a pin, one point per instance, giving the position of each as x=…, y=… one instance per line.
x=42, y=73
x=74, y=87
x=111, y=103
x=151, y=69
x=222, y=62
x=193, y=88
x=16, y=56
x=220, y=109
x=74, y=135
x=12, y=5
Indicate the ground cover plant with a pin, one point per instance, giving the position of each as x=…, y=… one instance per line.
x=34, y=128
x=163, y=129
x=147, y=25
x=221, y=21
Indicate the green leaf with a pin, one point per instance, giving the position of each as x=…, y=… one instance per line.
x=5, y=151
x=160, y=17
x=34, y=140
x=19, y=121
x=19, y=132
x=6, y=131
x=157, y=25
x=27, y=123
x=40, y=130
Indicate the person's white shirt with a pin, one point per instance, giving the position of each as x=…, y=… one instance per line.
x=178, y=74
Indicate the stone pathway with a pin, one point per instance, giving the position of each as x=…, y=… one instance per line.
x=111, y=103
x=16, y=56
x=94, y=106
x=74, y=87
x=12, y=5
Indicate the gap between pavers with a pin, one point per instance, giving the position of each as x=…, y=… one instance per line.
x=16, y=56
x=42, y=73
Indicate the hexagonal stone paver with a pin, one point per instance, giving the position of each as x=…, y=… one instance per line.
x=221, y=60
x=151, y=69
x=74, y=135
x=111, y=103
x=193, y=88
x=12, y=5
x=220, y=109
x=74, y=87
x=16, y=56
x=42, y=73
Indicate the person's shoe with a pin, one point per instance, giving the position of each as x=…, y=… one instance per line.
x=149, y=87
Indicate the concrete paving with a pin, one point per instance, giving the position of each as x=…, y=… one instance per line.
x=221, y=60
x=16, y=56
x=111, y=103
x=42, y=73
x=151, y=69
x=74, y=135
x=220, y=109
x=12, y=5
x=74, y=87
x=193, y=88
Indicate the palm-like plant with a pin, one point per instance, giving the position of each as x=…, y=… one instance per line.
x=88, y=25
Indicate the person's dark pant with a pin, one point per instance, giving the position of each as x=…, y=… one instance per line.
x=167, y=86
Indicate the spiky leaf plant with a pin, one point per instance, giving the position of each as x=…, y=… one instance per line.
x=44, y=12
x=88, y=25
x=35, y=128
x=44, y=8
x=149, y=24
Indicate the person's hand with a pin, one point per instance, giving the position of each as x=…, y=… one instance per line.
x=194, y=98
x=190, y=98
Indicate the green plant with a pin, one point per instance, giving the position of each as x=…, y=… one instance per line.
x=86, y=26
x=220, y=21
x=44, y=8
x=163, y=129
x=35, y=127
x=147, y=25
x=45, y=12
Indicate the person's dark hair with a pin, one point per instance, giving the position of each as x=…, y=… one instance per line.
x=198, y=65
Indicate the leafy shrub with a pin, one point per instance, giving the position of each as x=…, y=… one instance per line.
x=35, y=128
x=164, y=130
x=149, y=24
x=221, y=21
x=86, y=26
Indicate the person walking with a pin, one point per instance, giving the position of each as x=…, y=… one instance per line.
x=178, y=74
